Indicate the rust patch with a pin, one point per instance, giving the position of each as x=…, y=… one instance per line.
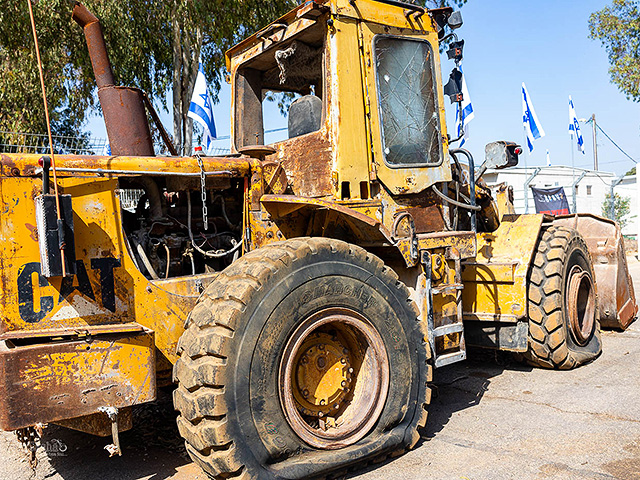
x=616, y=296
x=98, y=423
x=307, y=162
x=48, y=382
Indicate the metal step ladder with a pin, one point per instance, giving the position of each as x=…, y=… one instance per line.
x=444, y=356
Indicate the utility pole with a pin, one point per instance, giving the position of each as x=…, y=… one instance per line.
x=595, y=143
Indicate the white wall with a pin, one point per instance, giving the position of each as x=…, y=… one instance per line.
x=590, y=193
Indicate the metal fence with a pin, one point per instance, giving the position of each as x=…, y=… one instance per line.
x=19, y=142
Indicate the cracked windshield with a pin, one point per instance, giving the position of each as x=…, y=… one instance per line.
x=408, y=110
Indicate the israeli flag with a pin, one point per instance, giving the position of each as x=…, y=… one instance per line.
x=201, y=108
x=532, y=127
x=574, y=126
x=467, y=111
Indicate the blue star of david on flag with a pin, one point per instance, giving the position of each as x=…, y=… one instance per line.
x=532, y=127
x=574, y=126
x=201, y=109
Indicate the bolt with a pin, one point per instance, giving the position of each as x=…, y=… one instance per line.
x=320, y=414
x=350, y=370
x=304, y=360
x=336, y=406
x=343, y=383
x=305, y=394
x=322, y=402
x=321, y=346
x=343, y=361
x=321, y=362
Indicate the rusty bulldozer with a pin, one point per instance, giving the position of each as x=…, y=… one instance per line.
x=298, y=295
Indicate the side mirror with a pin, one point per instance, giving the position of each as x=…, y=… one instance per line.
x=501, y=154
x=453, y=88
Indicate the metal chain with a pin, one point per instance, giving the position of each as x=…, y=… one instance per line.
x=29, y=437
x=203, y=193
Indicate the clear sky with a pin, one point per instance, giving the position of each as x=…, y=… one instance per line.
x=544, y=44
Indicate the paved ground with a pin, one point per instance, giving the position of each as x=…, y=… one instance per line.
x=489, y=419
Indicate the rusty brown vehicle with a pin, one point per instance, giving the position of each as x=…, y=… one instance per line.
x=297, y=295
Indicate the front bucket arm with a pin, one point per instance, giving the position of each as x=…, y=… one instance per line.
x=604, y=240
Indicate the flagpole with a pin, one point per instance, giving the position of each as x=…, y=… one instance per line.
x=573, y=168
x=526, y=172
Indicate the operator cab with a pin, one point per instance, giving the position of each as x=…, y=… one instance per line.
x=363, y=98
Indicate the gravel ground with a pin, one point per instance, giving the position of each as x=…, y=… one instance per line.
x=490, y=418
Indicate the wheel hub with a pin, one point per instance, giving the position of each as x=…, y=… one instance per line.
x=322, y=375
x=334, y=378
x=581, y=304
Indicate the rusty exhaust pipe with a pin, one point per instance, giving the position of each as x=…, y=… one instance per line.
x=123, y=107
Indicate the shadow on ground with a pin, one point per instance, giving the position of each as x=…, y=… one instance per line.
x=153, y=449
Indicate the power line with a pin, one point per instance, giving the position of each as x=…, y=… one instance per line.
x=611, y=140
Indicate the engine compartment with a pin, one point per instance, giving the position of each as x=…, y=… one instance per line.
x=175, y=227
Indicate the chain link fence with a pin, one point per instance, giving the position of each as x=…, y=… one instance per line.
x=19, y=142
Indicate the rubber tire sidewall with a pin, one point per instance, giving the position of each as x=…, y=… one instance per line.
x=289, y=298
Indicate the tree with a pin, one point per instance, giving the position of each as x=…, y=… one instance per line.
x=153, y=45
x=617, y=26
x=621, y=208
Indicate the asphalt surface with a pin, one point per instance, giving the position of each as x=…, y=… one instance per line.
x=490, y=418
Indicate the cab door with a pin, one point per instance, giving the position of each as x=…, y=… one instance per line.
x=407, y=121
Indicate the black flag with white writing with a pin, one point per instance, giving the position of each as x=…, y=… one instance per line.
x=550, y=200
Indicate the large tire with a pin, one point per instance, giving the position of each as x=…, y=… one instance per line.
x=255, y=334
x=563, y=313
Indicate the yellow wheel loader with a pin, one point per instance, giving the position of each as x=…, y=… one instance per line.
x=298, y=295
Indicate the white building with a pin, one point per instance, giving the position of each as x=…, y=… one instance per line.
x=590, y=188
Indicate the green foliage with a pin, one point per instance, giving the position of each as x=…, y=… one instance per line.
x=631, y=172
x=152, y=45
x=621, y=208
x=617, y=26
x=149, y=44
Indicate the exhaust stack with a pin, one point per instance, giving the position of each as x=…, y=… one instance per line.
x=123, y=107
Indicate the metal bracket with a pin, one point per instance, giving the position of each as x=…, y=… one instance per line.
x=425, y=259
x=114, y=448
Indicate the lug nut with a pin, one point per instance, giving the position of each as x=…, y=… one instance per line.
x=343, y=361
x=350, y=370
x=320, y=414
x=304, y=360
x=343, y=383
x=305, y=394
